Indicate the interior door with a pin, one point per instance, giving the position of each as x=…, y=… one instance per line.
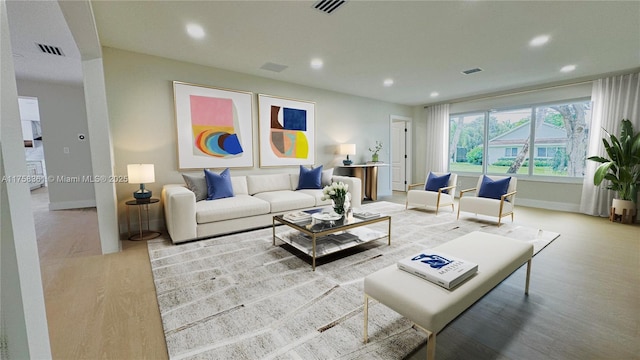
x=399, y=156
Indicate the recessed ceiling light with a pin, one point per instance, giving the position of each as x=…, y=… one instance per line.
x=539, y=40
x=568, y=68
x=317, y=63
x=435, y=94
x=195, y=31
x=388, y=82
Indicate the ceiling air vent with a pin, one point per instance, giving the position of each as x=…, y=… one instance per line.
x=471, y=71
x=273, y=67
x=328, y=6
x=51, y=50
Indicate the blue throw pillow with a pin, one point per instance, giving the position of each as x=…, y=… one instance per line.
x=310, y=178
x=435, y=182
x=493, y=189
x=218, y=186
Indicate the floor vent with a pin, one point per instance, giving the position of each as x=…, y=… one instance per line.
x=328, y=6
x=471, y=71
x=51, y=50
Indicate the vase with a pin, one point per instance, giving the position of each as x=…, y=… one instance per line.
x=338, y=205
x=374, y=157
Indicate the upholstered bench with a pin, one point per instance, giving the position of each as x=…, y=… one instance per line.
x=432, y=307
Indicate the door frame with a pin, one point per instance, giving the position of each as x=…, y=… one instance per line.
x=408, y=148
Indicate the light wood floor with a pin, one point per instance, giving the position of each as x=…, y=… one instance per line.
x=584, y=300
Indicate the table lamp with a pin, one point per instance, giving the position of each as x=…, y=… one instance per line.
x=141, y=174
x=347, y=149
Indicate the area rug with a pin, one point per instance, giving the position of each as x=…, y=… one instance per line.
x=240, y=297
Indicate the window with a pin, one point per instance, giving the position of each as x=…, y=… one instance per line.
x=551, y=137
x=546, y=152
x=466, y=141
x=508, y=128
x=510, y=152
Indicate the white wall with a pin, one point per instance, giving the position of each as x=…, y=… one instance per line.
x=63, y=117
x=143, y=128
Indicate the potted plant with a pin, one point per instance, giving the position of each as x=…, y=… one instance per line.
x=375, y=150
x=621, y=168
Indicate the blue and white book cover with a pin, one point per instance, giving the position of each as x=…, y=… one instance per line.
x=439, y=268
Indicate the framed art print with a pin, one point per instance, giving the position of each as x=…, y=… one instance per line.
x=214, y=127
x=287, y=131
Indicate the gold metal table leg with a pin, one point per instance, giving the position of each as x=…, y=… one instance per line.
x=313, y=238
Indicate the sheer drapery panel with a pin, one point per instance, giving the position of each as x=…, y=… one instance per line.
x=437, y=138
x=614, y=98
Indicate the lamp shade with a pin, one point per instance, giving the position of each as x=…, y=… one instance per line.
x=141, y=173
x=347, y=149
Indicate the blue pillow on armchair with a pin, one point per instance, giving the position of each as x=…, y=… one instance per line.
x=435, y=182
x=218, y=186
x=310, y=178
x=493, y=189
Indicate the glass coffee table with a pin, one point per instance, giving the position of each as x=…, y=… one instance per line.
x=317, y=237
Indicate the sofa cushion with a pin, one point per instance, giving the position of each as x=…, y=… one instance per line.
x=310, y=178
x=317, y=195
x=285, y=200
x=271, y=182
x=218, y=185
x=435, y=182
x=197, y=184
x=326, y=177
x=239, y=184
x=493, y=189
x=238, y=206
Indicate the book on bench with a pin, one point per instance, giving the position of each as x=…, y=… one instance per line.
x=439, y=268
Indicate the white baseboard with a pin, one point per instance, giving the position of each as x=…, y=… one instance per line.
x=550, y=205
x=67, y=205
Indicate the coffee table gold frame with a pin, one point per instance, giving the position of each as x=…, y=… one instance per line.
x=314, y=235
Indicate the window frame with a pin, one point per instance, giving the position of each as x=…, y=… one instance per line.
x=531, y=156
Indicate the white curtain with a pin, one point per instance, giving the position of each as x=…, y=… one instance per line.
x=437, y=137
x=614, y=98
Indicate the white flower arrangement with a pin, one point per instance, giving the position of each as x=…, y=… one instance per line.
x=339, y=193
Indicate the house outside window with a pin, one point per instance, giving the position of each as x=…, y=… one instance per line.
x=552, y=137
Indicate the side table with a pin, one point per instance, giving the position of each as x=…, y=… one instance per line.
x=142, y=234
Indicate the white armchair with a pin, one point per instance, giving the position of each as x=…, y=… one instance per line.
x=444, y=196
x=500, y=205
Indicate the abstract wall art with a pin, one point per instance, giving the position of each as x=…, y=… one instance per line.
x=214, y=127
x=287, y=131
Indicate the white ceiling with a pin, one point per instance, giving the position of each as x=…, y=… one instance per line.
x=422, y=45
x=32, y=22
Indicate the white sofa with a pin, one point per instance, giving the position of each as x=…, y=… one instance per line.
x=257, y=198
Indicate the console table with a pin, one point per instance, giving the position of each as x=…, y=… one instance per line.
x=368, y=175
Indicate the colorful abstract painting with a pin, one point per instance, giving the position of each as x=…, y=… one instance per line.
x=286, y=131
x=214, y=127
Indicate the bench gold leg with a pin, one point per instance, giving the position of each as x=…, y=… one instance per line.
x=431, y=346
x=431, y=342
x=366, y=318
x=526, y=287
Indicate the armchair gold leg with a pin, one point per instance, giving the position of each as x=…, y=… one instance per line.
x=366, y=318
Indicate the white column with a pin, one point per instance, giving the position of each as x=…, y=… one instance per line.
x=24, y=320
